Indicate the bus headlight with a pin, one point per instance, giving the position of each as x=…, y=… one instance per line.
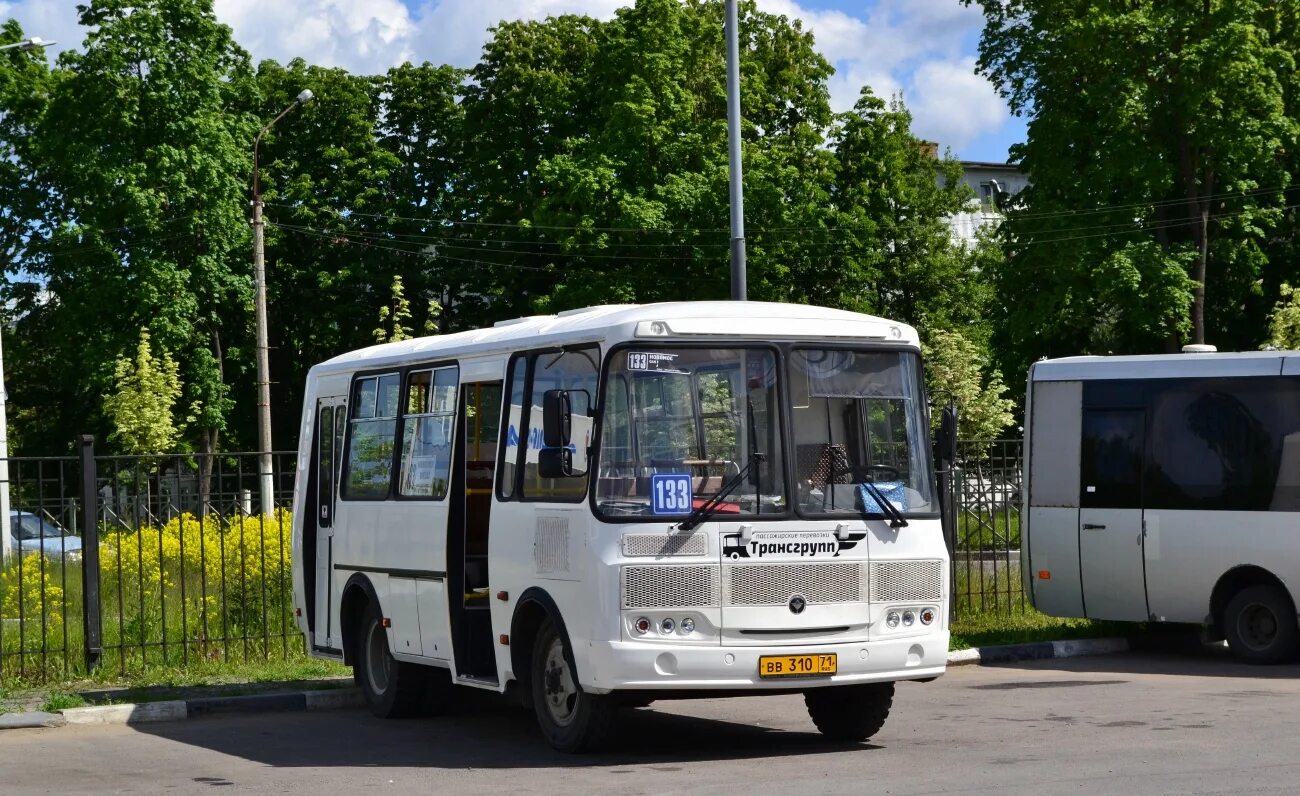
x=908, y=618
x=688, y=625
x=892, y=619
x=668, y=626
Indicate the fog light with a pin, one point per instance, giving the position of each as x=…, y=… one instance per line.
x=688, y=625
x=668, y=625
x=908, y=618
x=927, y=616
x=891, y=619
x=642, y=625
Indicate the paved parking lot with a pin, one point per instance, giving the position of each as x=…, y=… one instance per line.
x=1131, y=724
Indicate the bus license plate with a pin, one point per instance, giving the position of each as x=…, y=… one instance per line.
x=797, y=665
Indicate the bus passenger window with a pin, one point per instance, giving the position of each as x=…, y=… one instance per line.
x=372, y=427
x=428, y=422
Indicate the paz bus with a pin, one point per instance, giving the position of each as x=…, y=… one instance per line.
x=1167, y=489
x=620, y=504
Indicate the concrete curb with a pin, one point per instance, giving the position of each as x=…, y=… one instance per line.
x=1040, y=650
x=179, y=709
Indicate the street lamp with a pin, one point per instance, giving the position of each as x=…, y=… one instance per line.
x=263, y=367
x=739, y=291
x=34, y=43
x=6, y=541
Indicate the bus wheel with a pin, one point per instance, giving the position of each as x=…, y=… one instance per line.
x=392, y=689
x=571, y=719
x=850, y=713
x=1260, y=625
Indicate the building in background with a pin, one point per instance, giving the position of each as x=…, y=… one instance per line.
x=993, y=184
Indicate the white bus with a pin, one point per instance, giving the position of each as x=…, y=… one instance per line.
x=1167, y=489
x=626, y=503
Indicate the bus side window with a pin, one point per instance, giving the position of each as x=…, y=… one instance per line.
x=427, y=423
x=574, y=370
x=372, y=429
x=508, y=464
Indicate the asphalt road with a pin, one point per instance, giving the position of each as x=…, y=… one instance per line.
x=1132, y=724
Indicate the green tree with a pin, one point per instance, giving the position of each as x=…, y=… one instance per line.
x=1284, y=321
x=143, y=158
x=395, y=317
x=140, y=407
x=1154, y=135
x=954, y=366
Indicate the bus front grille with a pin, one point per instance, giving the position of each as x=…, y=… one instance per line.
x=670, y=587
x=774, y=584
x=906, y=581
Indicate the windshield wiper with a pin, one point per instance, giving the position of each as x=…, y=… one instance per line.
x=709, y=507
x=896, y=519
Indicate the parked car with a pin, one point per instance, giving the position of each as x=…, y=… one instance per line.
x=34, y=534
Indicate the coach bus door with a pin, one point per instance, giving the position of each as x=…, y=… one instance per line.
x=331, y=416
x=1110, y=515
x=467, y=530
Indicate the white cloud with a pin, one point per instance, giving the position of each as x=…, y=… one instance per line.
x=919, y=48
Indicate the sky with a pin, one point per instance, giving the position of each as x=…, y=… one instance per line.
x=925, y=49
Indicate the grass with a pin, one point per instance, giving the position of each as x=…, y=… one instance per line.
x=60, y=700
x=1019, y=625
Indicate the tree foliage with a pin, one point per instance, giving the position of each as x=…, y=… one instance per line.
x=1157, y=141
x=955, y=368
x=579, y=162
x=1284, y=321
x=141, y=405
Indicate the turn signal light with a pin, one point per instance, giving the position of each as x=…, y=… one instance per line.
x=642, y=625
x=386, y=622
x=927, y=616
x=1044, y=574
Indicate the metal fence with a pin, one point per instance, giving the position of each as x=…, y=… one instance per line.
x=986, y=549
x=148, y=561
x=183, y=567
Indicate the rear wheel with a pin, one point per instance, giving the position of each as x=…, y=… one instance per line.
x=1260, y=625
x=850, y=713
x=392, y=689
x=571, y=719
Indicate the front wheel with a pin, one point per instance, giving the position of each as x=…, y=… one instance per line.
x=850, y=713
x=571, y=719
x=1260, y=625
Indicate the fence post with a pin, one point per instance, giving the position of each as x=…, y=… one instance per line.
x=90, y=553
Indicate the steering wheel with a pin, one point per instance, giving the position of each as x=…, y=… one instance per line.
x=864, y=472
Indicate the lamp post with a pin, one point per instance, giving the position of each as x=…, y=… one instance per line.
x=6, y=541
x=739, y=291
x=265, y=471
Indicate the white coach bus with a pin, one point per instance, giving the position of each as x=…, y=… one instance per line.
x=626, y=503
x=1167, y=489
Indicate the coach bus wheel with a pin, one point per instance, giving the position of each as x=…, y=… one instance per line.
x=1260, y=625
x=392, y=689
x=851, y=713
x=571, y=719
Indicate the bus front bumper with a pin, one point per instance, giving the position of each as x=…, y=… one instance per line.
x=634, y=665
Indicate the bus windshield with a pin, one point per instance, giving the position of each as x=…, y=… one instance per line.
x=680, y=423
x=858, y=419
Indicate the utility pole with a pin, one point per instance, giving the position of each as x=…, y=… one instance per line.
x=265, y=468
x=6, y=525
x=739, y=291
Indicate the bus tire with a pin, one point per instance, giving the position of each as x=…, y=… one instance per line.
x=850, y=713
x=571, y=719
x=1260, y=625
x=392, y=689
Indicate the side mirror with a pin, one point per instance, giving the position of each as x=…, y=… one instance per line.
x=557, y=419
x=948, y=436
x=555, y=463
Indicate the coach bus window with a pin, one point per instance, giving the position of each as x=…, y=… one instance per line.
x=1229, y=445
x=1111, y=467
x=576, y=371
x=372, y=427
x=427, y=424
x=509, y=463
